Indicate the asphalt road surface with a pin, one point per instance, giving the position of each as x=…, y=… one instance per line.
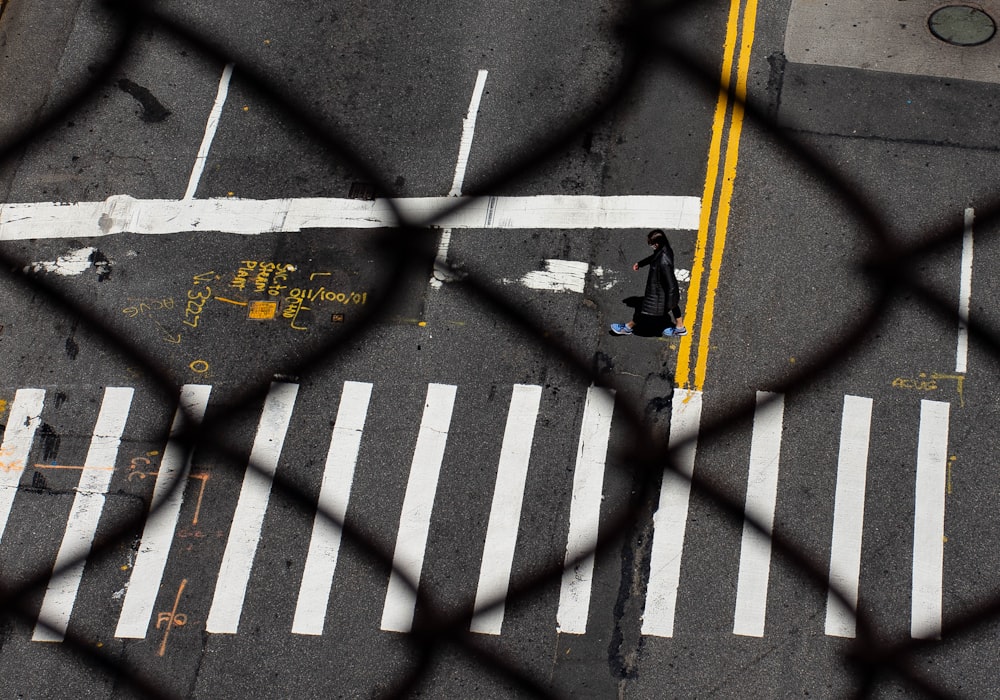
x=219, y=261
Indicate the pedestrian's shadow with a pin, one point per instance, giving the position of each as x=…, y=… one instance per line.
x=645, y=326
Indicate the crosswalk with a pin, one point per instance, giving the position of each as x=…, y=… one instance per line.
x=347, y=441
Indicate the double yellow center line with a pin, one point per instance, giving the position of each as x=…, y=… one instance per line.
x=727, y=125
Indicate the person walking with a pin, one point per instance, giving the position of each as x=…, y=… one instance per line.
x=662, y=291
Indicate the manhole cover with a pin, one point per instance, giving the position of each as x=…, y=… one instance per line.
x=962, y=25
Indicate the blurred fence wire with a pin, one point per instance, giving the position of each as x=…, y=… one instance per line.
x=409, y=250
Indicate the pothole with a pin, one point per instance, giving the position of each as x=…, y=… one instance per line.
x=961, y=25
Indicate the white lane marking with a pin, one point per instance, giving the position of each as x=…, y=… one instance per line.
x=928, y=520
x=334, y=494
x=468, y=131
x=585, y=511
x=418, y=503
x=248, y=519
x=964, y=295
x=84, y=516
x=158, y=532
x=505, y=513
x=670, y=518
x=22, y=421
x=213, y=123
x=75, y=262
x=123, y=214
x=848, y=515
x=464, y=147
x=762, y=492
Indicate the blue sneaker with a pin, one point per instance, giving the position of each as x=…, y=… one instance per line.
x=620, y=329
x=673, y=332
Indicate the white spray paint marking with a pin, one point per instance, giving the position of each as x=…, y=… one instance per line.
x=75, y=262
x=682, y=275
x=124, y=214
x=213, y=123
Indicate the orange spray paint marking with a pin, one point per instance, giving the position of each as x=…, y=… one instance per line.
x=171, y=618
x=203, y=477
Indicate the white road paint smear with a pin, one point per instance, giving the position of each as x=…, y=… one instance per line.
x=604, y=279
x=848, y=516
x=75, y=262
x=213, y=123
x=558, y=276
x=670, y=518
x=505, y=514
x=158, y=532
x=248, y=519
x=334, y=494
x=928, y=521
x=124, y=214
x=682, y=275
x=965, y=292
x=418, y=503
x=84, y=516
x=585, y=511
x=762, y=491
x=18, y=436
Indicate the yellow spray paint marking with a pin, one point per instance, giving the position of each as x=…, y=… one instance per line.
x=3, y=405
x=703, y=329
x=923, y=382
x=199, y=366
x=230, y=301
x=263, y=310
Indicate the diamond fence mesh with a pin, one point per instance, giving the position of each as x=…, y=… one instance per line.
x=409, y=252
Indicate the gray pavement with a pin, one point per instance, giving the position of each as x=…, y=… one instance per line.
x=397, y=84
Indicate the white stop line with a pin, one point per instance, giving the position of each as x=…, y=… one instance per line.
x=125, y=214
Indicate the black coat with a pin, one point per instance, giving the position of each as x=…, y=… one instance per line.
x=662, y=293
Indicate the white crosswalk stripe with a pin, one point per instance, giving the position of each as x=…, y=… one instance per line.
x=670, y=519
x=928, y=526
x=84, y=516
x=585, y=511
x=505, y=515
x=158, y=532
x=234, y=574
x=25, y=415
x=762, y=492
x=584, y=495
x=415, y=520
x=848, y=515
x=335, y=492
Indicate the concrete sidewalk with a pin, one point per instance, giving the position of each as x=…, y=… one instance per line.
x=887, y=35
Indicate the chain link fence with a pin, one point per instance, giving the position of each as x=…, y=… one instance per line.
x=408, y=252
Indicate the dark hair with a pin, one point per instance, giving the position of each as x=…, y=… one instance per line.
x=657, y=236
